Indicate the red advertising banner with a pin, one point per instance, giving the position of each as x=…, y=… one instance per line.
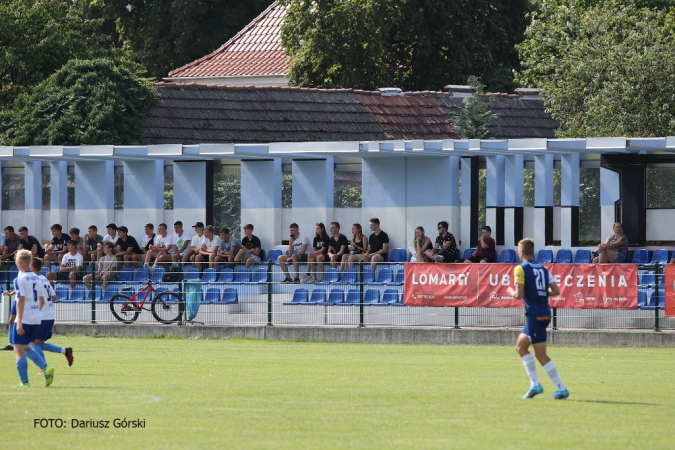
x=587, y=286
x=670, y=290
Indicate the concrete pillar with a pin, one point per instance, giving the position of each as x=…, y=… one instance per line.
x=144, y=195
x=494, y=201
x=543, y=201
x=189, y=193
x=569, y=200
x=610, y=193
x=58, y=175
x=384, y=196
x=469, y=208
x=261, y=200
x=313, y=192
x=432, y=195
x=33, y=197
x=94, y=194
x=513, y=200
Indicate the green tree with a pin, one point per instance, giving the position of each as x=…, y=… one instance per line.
x=227, y=201
x=83, y=103
x=38, y=37
x=167, y=34
x=473, y=119
x=606, y=68
x=412, y=44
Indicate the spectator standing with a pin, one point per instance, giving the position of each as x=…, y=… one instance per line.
x=58, y=246
x=127, y=247
x=485, y=249
x=337, y=245
x=298, y=248
x=318, y=255
x=378, y=244
x=30, y=243
x=70, y=268
x=445, y=247
x=421, y=243
x=228, y=248
x=251, y=248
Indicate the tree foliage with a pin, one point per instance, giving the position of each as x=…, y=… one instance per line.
x=83, y=103
x=167, y=34
x=606, y=68
x=412, y=44
x=474, y=118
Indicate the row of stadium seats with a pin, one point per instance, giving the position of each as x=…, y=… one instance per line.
x=339, y=297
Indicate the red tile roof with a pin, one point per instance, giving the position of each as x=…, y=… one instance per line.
x=255, y=50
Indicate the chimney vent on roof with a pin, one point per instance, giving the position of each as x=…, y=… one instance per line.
x=529, y=93
x=391, y=92
x=459, y=90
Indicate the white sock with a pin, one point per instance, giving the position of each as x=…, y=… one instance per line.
x=531, y=369
x=552, y=373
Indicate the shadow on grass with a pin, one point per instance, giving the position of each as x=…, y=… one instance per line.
x=610, y=402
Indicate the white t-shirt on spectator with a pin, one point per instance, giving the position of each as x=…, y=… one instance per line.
x=107, y=238
x=196, y=241
x=214, y=243
x=179, y=240
x=147, y=239
x=297, y=243
x=69, y=260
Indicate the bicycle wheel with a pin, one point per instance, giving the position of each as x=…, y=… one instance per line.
x=124, y=309
x=167, y=307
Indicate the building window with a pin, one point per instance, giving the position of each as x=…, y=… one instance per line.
x=286, y=186
x=71, y=188
x=13, y=188
x=227, y=198
x=589, y=206
x=46, y=189
x=660, y=183
x=168, y=187
x=119, y=187
x=347, y=187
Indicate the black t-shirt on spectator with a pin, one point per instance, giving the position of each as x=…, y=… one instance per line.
x=377, y=241
x=131, y=242
x=254, y=241
x=321, y=243
x=58, y=244
x=32, y=240
x=93, y=243
x=336, y=246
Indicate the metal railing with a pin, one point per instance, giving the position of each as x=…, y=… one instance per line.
x=362, y=296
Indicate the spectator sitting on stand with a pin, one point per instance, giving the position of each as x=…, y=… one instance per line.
x=485, y=249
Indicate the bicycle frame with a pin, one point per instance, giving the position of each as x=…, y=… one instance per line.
x=147, y=289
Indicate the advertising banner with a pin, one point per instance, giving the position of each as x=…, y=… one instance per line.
x=670, y=290
x=583, y=286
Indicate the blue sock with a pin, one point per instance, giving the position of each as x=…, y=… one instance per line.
x=22, y=368
x=11, y=334
x=38, y=349
x=38, y=359
x=51, y=348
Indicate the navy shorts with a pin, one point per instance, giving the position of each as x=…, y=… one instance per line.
x=535, y=328
x=44, y=332
x=30, y=331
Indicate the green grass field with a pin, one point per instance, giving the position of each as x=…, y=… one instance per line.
x=197, y=393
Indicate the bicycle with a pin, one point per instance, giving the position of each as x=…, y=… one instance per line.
x=166, y=306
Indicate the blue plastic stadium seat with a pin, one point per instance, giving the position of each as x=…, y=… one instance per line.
x=125, y=275
x=660, y=256
x=242, y=275
x=61, y=292
x=349, y=276
x=331, y=276
x=318, y=297
x=141, y=274
x=544, y=256
x=98, y=294
x=273, y=255
x=191, y=273
x=582, y=256
x=384, y=276
x=110, y=292
x=260, y=275
x=44, y=271
x=226, y=275
x=13, y=273
x=157, y=274
x=507, y=256
x=212, y=295
x=336, y=297
x=371, y=296
x=299, y=296
x=642, y=300
x=397, y=255
x=640, y=256
x=563, y=256
x=368, y=275
x=353, y=297
x=399, y=278
x=78, y=294
x=468, y=253
x=209, y=275
x=389, y=297
x=230, y=296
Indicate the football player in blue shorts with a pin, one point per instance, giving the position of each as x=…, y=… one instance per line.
x=534, y=284
x=47, y=318
x=26, y=286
